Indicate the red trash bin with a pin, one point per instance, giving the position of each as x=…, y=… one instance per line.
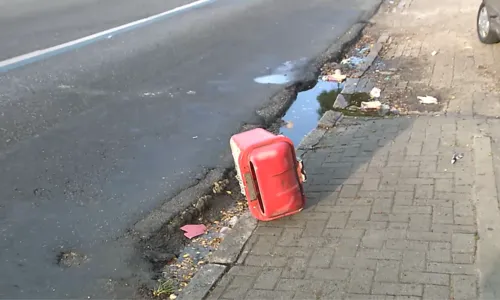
x=270, y=174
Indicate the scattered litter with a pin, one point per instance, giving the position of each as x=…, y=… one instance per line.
x=363, y=50
x=193, y=230
x=456, y=157
x=191, y=93
x=336, y=76
x=352, y=61
x=427, y=100
x=371, y=105
x=195, y=137
x=220, y=186
x=172, y=297
x=375, y=93
x=434, y=53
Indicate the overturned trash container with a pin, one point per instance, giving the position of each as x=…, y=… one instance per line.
x=269, y=173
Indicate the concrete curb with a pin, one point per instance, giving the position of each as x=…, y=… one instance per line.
x=202, y=282
x=188, y=198
x=230, y=248
x=488, y=219
x=233, y=244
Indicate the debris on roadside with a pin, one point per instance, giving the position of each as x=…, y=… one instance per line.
x=193, y=230
x=456, y=157
x=165, y=287
x=336, y=76
x=427, y=100
x=434, y=53
x=364, y=50
x=352, y=61
x=375, y=92
x=184, y=266
x=219, y=186
x=371, y=105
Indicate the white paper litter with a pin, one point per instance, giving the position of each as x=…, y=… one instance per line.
x=427, y=100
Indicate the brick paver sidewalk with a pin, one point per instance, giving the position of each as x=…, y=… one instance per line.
x=388, y=215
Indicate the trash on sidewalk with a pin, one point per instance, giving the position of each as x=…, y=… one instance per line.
x=191, y=93
x=352, y=61
x=371, y=105
x=456, y=157
x=261, y=159
x=193, y=230
x=336, y=76
x=427, y=100
x=375, y=93
x=434, y=53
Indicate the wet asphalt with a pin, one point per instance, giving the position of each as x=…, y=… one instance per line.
x=95, y=138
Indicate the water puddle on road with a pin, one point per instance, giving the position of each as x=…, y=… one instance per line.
x=283, y=74
x=273, y=79
x=310, y=105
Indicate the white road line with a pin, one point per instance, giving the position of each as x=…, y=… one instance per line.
x=39, y=54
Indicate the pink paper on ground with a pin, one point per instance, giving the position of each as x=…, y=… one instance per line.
x=193, y=230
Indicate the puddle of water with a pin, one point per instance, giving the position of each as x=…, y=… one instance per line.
x=285, y=73
x=308, y=108
x=273, y=79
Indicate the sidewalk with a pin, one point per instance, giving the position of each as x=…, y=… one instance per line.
x=388, y=216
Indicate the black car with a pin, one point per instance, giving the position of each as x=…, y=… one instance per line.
x=488, y=21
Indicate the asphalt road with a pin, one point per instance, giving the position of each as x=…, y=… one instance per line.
x=96, y=137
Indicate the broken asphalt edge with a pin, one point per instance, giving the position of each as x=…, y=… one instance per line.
x=233, y=244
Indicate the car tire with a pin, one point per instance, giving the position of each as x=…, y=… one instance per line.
x=485, y=32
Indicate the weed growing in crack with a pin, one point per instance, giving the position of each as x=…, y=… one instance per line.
x=164, y=288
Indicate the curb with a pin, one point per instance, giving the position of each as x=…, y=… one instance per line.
x=231, y=247
x=487, y=216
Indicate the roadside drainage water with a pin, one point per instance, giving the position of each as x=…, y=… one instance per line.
x=310, y=105
x=283, y=74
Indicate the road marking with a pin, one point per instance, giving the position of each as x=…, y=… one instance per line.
x=37, y=55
